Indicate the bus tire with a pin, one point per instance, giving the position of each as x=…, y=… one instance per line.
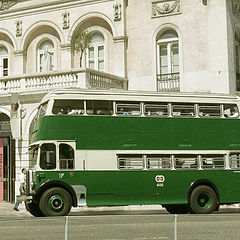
x=34, y=209
x=55, y=202
x=203, y=200
x=177, y=208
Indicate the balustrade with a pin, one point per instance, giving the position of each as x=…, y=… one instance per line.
x=84, y=78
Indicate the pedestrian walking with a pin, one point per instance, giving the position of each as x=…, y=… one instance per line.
x=22, y=180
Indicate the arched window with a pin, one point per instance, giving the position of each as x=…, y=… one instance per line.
x=167, y=55
x=4, y=65
x=46, y=56
x=237, y=59
x=95, y=52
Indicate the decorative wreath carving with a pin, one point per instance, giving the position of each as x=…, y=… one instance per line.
x=6, y=4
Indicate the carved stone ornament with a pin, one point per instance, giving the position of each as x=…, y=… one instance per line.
x=18, y=28
x=66, y=20
x=236, y=7
x=6, y=4
x=117, y=11
x=165, y=7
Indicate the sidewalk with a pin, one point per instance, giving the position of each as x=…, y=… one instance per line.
x=6, y=210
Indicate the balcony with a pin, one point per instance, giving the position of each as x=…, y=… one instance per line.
x=168, y=82
x=82, y=78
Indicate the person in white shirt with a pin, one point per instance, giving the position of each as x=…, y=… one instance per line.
x=233, y=113
x=22, y=180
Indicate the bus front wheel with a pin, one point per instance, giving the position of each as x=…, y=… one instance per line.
x=203, y=199
x=55, y=202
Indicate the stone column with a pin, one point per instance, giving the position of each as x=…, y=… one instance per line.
x=18, y=59
x=66, y=57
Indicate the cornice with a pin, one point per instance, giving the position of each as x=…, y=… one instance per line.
x=46, y=6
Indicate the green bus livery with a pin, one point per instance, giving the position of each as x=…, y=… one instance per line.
x=109, y=148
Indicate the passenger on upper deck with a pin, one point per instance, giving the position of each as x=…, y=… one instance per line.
x=233, y=113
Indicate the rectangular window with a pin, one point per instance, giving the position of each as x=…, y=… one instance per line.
x=183, y=110
x=5, y=66
x=209, y=110
x=159, y=162
x=134, y=162
x=156, y=109
x=68, y=107
x=234, y=160
x=186, y=161
x=128, y=109
x=174, y=58
x=48, y=156
x=99, y=107
x=213, y=161
x=163, y=59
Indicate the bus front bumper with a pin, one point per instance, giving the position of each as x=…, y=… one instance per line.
x=24, y=198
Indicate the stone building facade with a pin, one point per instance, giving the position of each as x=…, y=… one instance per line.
x=153, y=45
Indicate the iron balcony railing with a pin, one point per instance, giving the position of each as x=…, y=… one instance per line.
x=168, y=82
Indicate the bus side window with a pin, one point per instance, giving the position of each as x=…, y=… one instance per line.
x=66, y=156
x=128, y=109
x=159, y=162
x=209, y=110
x=234, y=160
x=99, y=107
x=134, y=162
x=68, y=107
x=213, y=161
x=186, y=162
x=156, y=109
x=183, y=110
x=231, y=111
x=48, y=156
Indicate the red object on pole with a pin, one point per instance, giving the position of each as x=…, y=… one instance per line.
x=1, y=169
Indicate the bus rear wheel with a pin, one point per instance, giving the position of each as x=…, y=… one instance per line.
x=203, y=200
x=34, y=209
x=55, y=202
x=177, y=208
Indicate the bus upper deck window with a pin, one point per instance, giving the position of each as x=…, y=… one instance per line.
x=209, y=111
x=156, y=109
x=99, y=107
x=128, y=109
x=68, y=107
x=66, y=156
x=231, y=111
x=42, y=110
x=48, y=156
x=183, y=110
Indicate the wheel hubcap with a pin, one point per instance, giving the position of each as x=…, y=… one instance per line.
x=204, y=200
x=56, y=203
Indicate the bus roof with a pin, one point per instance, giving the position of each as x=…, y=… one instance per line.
x=130, y=95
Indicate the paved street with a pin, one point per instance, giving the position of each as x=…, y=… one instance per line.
x=115, y=223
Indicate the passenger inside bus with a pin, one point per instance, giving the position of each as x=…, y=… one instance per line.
x=233, y=113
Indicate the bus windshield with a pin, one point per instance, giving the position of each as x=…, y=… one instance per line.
x=42, y=110
x=33, y=153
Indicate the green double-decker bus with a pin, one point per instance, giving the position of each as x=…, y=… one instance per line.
x=109, y=148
